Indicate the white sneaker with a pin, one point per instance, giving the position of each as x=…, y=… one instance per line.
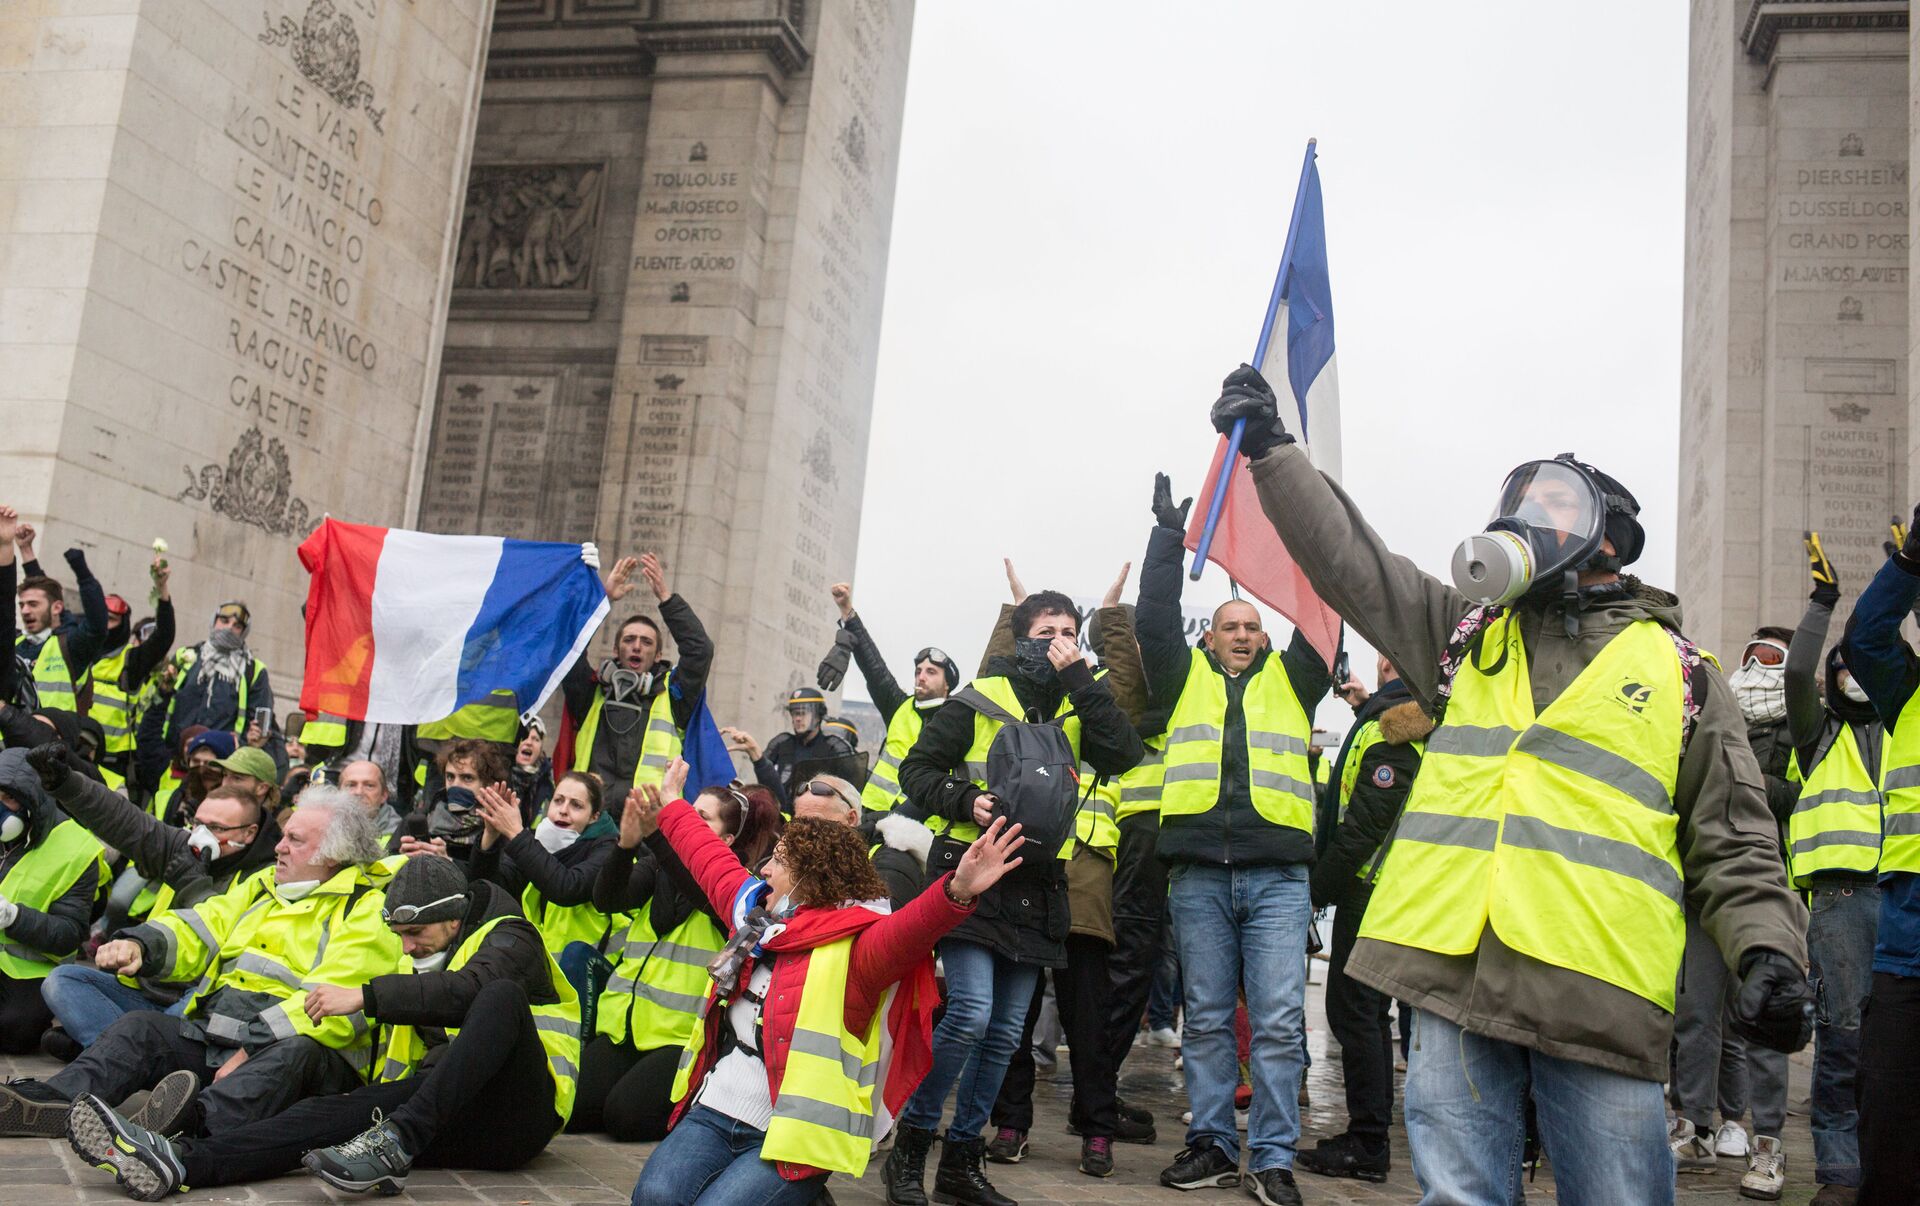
x=1691, y=1153
x=1730, y=1140
x=1166, y=1036
x=1766, y=1170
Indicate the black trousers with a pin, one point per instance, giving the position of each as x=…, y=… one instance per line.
x=1139, y=931
x=1889, y=1108
x=140, y=1048
x=625, y=1092
x=1359, y=1018
x=24, y=1017
x=487, y=1103
x=1080, y=990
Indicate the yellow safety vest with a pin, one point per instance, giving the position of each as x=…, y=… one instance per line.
x=985, y=729
x=1900, y=783
x=42, y=875
x=654, y=997
x=53, y=683
x=558, y=1026
x=560, y=925
x=247, y=938
x=1096, y=823
x=1364, y=740
x=325, y=731
x=112, y=707
x=1556, y=828
x=495, y=718
x=659, y=746
x=1277, y=727
x=824, y=1105
x=1835, y=824
x=163, y=795
x=1140, y=787
x=882, y=791
x=115, y=779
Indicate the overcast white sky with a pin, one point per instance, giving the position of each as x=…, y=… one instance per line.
x=1092, y=201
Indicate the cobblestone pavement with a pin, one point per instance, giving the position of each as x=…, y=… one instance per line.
x=577, y=1169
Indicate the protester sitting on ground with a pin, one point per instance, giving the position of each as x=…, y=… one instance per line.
x=51, y=873
x=766, y=1111
x=477, y=1072
x=252, y=771
x=652, y=1001
x=632, y=714
x=453, y=820
x=245, y=1046
x=170, y=868
x=552, y=867
x=169, y=780
x=367, y=783
x=220, y=683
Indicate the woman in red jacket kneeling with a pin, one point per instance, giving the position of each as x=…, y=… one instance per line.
x=819, y=1021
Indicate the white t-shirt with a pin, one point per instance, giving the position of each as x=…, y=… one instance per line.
x=737, y=1086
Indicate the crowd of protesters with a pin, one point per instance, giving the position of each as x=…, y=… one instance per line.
x=1605, y=886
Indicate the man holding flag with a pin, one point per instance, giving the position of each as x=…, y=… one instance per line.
x=1236, y=831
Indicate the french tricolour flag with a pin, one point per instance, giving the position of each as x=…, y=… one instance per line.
x=409, y=627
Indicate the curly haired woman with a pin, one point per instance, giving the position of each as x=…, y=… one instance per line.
x=818, y=1024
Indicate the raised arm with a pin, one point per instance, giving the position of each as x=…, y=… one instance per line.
x=1157, y=620
x=83, y=645
x=159, y=851
x=882, y=687
x=1876, y=653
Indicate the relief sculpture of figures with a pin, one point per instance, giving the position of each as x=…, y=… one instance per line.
x=529, y=227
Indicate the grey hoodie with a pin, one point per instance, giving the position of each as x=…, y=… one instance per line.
x=1727, y=841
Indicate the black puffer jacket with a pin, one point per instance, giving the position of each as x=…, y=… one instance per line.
x=433, y=1001
x=1024, y=917
x=58, y=929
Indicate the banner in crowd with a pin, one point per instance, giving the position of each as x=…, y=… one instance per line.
x=409, y=627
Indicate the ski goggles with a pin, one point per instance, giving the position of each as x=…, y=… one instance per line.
x=408, y=914
x=1764, y=652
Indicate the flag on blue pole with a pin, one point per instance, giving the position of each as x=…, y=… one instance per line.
x=1305, y=363
x=708, y=762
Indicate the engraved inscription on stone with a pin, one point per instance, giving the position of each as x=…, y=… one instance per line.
x=1842, y=376
x=689, y=350
x=517, y=456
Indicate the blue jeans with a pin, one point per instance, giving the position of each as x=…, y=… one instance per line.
x=85, y=1000
x=987, y=1000
x=714, y=1160
x=1840, y=938
x=1466, y=1123
x=1243, y=929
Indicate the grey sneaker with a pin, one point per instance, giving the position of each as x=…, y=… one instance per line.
x=31, y=1110
x=373, y=1159
x=1766, y=1170
x=167, y=1103
x=145, y=1164
x=1691, y=1151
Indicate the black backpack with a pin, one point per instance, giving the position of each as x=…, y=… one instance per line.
x=1032, y=771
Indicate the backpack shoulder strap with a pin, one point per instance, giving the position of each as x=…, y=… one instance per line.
x=972, y=698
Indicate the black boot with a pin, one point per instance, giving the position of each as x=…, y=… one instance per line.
x=959, y=1180
x=906, y=1171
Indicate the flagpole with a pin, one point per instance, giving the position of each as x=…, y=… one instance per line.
x=1259, y=357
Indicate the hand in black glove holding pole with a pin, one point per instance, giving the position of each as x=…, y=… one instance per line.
x=1774, y=1004
x=1245, y=394
x=1826, y=585
x=1164, y=512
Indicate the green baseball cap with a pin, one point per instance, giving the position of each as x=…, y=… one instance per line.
x=253, y=763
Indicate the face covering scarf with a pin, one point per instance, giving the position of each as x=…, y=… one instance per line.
x=1761, y=692
x=1030, y=655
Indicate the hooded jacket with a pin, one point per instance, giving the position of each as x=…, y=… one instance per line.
x=59, y=929
x=431, y=1002
x=21, y=730
x=158, y=851
x=1726, y=836
x=1380, y=787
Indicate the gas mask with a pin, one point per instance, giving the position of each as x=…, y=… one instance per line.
x=625, y=686
x=1848, y=687
x=295, y=892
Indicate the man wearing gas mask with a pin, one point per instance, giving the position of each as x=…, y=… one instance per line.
x=49, y=871
x=632, y=714
x=169, y=868
x=1588, y=773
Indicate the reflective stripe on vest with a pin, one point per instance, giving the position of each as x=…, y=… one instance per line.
x=560, y=925
x=40, y=876
x=1140, y=787
x=326, y=731
x=495, y=718
x=1364, y=740
x=1835, y=824
x=659, y=746
x=882, y=791
x=1000, y=691
x=1556, y=829
x=52, y=683
x=557, y=1026
x=825, y=1106
x=112, y=707
x=1900, y=785
x=654, y=996
x=1277, y=728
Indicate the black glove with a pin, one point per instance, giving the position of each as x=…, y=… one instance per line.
x=49, y=761
x=1774, y=1006
x=1910, y=544
x=1245, y=394
x=833, y=667
x=1164, y=512
x=1826, y=586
